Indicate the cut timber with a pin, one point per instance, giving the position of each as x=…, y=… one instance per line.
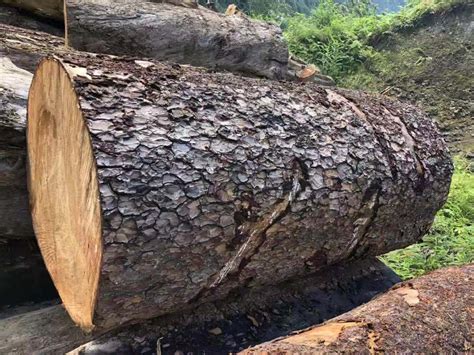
x=429, y=315
x=20, y=52
x=157, y=187
x=200, y=37
x=327, y=294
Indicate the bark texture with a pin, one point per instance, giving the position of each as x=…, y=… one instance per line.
x=20, y=51
x=429, y=315
x=277, y=309
x=196, y=36
x=211, y=182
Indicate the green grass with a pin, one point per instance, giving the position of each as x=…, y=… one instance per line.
x=338, y=37
x=451, y=239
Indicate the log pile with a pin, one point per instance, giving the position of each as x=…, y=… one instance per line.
x=156, y=188
x=20, y=51
x=431, y=314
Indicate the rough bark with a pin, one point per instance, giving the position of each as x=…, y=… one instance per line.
x=244, y=182
x=277, y=309
x=429, y=315
x=20, y=51
x=199, y=37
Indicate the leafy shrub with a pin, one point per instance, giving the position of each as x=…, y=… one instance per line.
x=451, y=239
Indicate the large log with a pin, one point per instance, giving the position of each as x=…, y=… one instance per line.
x=20, y=51
x=429, y=315
x=277, y=309
x=157, y=187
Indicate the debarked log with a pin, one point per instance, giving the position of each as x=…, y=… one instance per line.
x=20, y=52
x=429, y=315
x=157, y=187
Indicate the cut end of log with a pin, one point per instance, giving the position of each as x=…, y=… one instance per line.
x=64, y=192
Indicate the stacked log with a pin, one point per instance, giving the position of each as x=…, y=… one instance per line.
x=429, y=315
x=157, y=187
x=20, y=52
x=14, y=16
x=23, y=275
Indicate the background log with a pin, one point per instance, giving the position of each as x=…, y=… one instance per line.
x=52, y=9
x=211, y=182
x=428, y=315
x=20, y=51
x=17, y=17
x=200, y=37
x=277, y=309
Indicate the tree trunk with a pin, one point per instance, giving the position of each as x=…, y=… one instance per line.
x=168, y=186
x=316, y=297
x=428, y=315
x=199, y=37
x=20, y=51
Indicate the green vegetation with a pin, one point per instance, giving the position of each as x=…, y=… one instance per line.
x=451, y=239
x=338, y=37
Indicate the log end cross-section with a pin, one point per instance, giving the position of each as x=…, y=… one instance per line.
x=64, y=191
